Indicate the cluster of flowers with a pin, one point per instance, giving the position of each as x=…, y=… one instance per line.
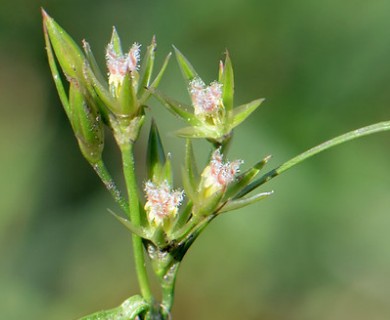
x=170, y=219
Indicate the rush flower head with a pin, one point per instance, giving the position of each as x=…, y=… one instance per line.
x=207, y=100
x=218, y=174
x=162, y=202
x=120, y=65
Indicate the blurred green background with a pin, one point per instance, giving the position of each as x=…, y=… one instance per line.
x=317, y=249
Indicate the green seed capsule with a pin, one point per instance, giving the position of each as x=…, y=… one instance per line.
x=87, y=125
x=68, y=53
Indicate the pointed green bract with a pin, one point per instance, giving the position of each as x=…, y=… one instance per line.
x=127, y=97
x=220, y=71
x=95, y=79
x=183, y=218
x=147, y=67
x=56, y=76
x=243, y=202
x=139, y=231
x=177, y=108
x=156, y=80
x=155, y=156
x=244, y=179
x=227, y=81
x=166, y=171
x=191, y=171
x=93, y=64
x=208, y=205
x=189, y=189
x=68, y=53
x=95, y=86
x=195, y=132
x=186, y=68
x=244, y=111
x=116, y=42
x=94, y=100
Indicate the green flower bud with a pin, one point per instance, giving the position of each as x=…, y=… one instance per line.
x=215, y=179
x=218, y=174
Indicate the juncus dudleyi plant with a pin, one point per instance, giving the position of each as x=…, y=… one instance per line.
x=164, y=219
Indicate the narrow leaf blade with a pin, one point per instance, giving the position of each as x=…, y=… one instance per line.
x=351, y=135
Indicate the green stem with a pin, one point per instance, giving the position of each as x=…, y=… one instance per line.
x=169, y=278
x=168, y=289
x=374, y=128
x=109, y=182
x=139, y=258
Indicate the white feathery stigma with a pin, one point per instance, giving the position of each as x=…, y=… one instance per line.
x=162, y=202
x=119, y=65
x=219, y=174
x=206, y=100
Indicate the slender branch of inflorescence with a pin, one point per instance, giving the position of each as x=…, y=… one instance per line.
x=365, y=131
x=111, y=186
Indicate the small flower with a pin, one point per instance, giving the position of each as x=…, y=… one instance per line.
x=207, y=100
x=120, y=65
x=214, y=116
x=162, y=202
x=218, y=174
